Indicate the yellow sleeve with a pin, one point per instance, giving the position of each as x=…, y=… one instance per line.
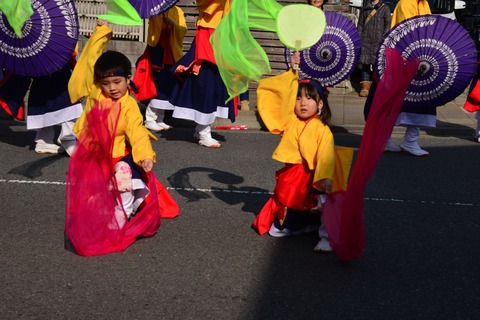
x=425, y=8
x=138, y=136
x=210, y=12
x=332, y=163
x=81, y=81
x=408, y=9
x=208, y=6
x=179, y=31
x=343, y=164
x=155, y=25
x=80, y=123
x=276, y=100
x=325, y=158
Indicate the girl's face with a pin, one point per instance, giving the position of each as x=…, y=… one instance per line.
x=316, y=3
x=307, y=107
x=114, y=87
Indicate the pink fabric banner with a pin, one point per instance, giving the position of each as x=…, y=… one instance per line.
x=344, y=211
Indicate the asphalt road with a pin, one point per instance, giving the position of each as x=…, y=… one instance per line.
x=421, y=260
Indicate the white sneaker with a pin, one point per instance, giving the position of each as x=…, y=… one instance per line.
x=390, y=147
x=275, y=232
x=164, y=126
x=209, y=143
x=204, y=136
x=414, y=149
x=48, y=148
x=153, y=126
x=323, y=246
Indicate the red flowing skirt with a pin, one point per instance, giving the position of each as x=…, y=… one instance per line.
x=293, y=190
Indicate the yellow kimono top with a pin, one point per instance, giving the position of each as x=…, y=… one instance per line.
x=409, y=8
x=302, y=141
x=210, y=12
x=130, y=134
x=157, y=30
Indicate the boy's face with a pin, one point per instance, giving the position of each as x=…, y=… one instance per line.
x=114, y=87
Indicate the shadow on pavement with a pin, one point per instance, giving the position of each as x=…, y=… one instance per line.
x=228, y=192
x=14, y=133
x=34, y=169
x=445, y=129
x=184, y=133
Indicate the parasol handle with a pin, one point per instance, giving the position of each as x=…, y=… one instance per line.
x=298, y=45
x=423, y=67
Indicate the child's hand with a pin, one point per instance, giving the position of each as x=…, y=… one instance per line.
x=147, y=165
x=295, y=60
x=319, y=200
x=101, y=22
x=326, y=185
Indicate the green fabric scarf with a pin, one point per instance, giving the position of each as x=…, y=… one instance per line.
x=240, y=59
x=121, y=12
x=17, y=13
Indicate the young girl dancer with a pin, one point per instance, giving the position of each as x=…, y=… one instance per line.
x=306, y=148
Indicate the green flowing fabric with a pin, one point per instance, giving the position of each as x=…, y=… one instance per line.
x=263, y=14
x=17, y=13
x=240, y=59
x=121, y=12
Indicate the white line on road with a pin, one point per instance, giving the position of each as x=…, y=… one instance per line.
x=32, y=182
x=219, y=190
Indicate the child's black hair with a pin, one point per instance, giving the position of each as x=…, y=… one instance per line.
x=310, y=3
x=112, y=63
x=312, y=92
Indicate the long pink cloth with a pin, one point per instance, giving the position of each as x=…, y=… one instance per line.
x=92, y=224
x=344, y=211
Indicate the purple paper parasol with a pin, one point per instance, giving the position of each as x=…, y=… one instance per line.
x=334, y=57
x=447, y=54
x=150, y=8
x=48, y=39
